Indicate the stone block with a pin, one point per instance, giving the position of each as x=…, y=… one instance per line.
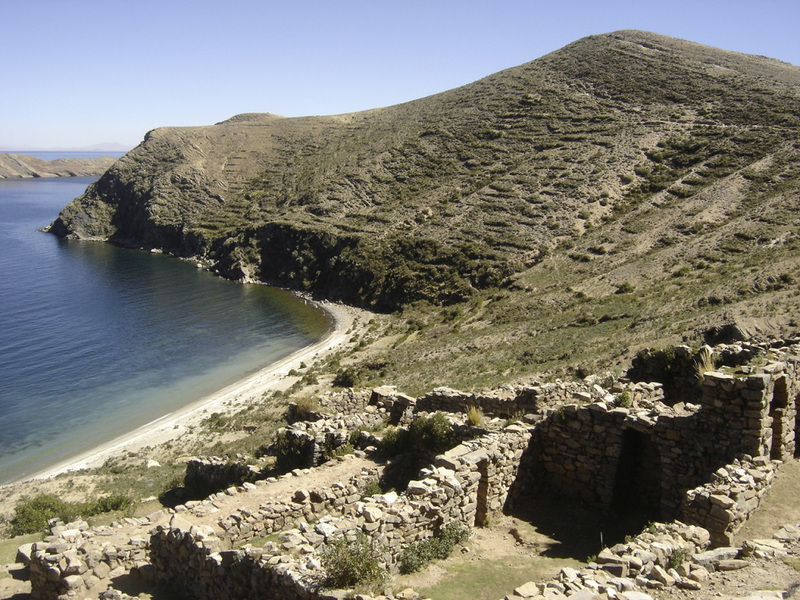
x=660, y=574
x=73, y=582
x=732, y=564
x=722, y=501
x=699, y=573
x=688, y=584
x=24, y=554
x=527, y=590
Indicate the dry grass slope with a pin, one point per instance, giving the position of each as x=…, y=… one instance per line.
x=627, y=190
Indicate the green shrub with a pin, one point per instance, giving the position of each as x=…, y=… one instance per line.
x=452, y=534
x=677, y=557
x=624, y=399
x=305, y=408
x=355, y=436
x=419, y=554
x=31, y=515
x=342, y=450
x=425, y=435
x=288, y=455
x=111, y=503
x=624, y=288
x=350, y=563
x=216, y=421
x=371, y=488
x=433, y=433
x=345, y=378
x=395, y=440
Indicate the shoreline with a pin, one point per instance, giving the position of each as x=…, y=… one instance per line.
x=228, y=399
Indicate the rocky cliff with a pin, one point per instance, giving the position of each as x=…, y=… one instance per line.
x=437, y=198
x=21, y=165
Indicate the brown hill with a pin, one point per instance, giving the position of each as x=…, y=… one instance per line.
x=627, y=182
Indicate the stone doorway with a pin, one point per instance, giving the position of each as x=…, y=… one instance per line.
x=482, y=508
x=777, y=412
x=637, y=485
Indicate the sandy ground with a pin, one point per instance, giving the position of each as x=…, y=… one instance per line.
x=226, y=401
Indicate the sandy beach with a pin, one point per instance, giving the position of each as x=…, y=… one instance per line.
x=227, y=400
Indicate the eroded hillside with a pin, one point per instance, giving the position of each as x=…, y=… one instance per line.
x=623, y=191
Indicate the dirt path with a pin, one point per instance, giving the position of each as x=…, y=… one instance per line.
x=781, y=505
x=498, y=558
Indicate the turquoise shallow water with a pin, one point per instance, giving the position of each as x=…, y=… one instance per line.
x=96, y=341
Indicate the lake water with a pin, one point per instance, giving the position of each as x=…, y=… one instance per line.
x=96, y=341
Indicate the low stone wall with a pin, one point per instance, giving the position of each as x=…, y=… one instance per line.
x=212, y=474
x=308, y=505
x=191, y=563
x=502, y=403
x=74, y=557
x=640, y=393
x=723, y=505
x=346, y=402
x=662, y=557
x=310, y=443
x=512, y=401
x=468, y=483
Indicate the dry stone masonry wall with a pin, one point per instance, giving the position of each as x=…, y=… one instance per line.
x=467, y=484
x=310, y=443
x=211, y=474
x=646, y=456
x=510, y=402
x=724, y=504
x=708, y=460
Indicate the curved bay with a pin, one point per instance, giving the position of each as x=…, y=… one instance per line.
x=96, y=340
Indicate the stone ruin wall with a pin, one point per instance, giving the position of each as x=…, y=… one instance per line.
x=585, y=451
x=206, y=475
x=512, y=402
x=735, y=491
x=576, y=450
x=467, y=484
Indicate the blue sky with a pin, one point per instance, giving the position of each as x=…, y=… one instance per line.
x=82, y=72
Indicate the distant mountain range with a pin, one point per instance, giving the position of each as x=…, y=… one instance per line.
x=13, y=165
x=107, y=147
